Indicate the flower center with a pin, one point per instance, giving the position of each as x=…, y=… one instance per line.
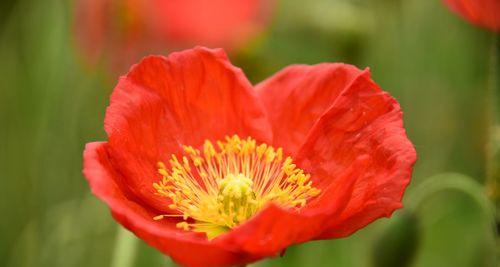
x=222, y=186
x=236, y=197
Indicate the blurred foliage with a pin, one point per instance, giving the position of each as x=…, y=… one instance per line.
x=434, y=63
x=493, y=146
x=397, y=245
x=453, y=209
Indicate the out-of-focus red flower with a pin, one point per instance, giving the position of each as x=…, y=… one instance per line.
x=120, y=32
x=484, y=13
x=215, y=172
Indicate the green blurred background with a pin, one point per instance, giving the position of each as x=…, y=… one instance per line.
x=434, y=63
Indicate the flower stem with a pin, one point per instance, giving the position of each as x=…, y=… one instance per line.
x=493, y=145
x=125, y=249
x=446, y=182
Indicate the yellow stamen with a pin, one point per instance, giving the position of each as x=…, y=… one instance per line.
x=222, y=186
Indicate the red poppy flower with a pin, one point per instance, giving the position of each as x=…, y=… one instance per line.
x=122, y=31
x=213, y=172
x=484, y=13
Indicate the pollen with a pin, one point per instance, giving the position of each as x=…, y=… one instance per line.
x=223, y=184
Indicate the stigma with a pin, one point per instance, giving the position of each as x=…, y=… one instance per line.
x=221, y=186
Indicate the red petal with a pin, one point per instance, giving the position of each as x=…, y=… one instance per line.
x=164, y=103
x=298, y=95
x=362, y=120
x=485, y=13
x=118, y=33
x=186, y=248
x=226, y=23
